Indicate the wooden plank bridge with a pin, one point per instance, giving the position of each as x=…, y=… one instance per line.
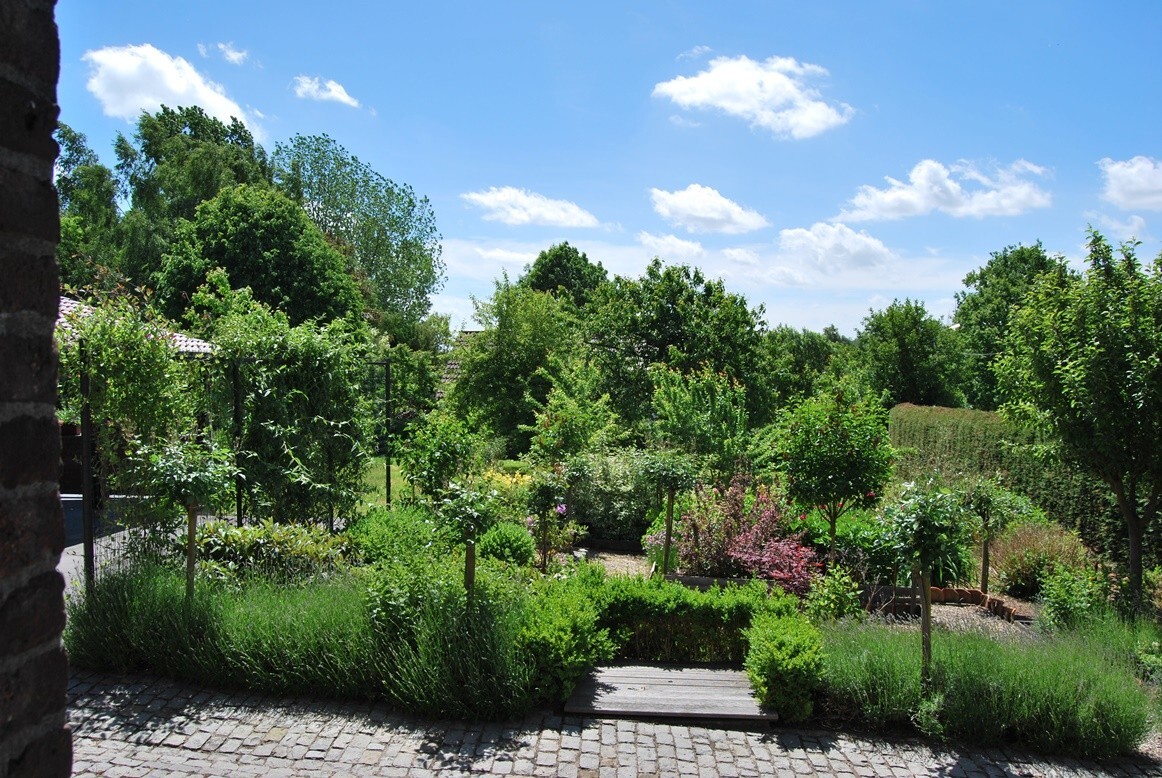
x=663, y=691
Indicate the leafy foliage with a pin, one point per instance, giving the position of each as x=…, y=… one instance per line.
x=283, y=552
x=1082, y=361
x=911, y=356
x=784, y=661
x=388, y=233
x=563, y=271
x=702, y=413
x=507, y=542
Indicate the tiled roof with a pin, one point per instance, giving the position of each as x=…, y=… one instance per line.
x=183, y=343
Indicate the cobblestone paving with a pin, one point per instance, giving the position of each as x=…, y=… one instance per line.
x=142, y=726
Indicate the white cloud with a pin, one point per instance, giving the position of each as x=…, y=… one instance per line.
x=1133, y=228
x=232, y=55
x=507, y=256
x=772, y=95
x=509, y=205
x=699, y=208
x=127, y=80
x=314, y=88
x=933, y=187
x=670, y=247
x=682, y=121
x=1133, y=183
x=695, y=52
x=832, y=247
x=741, y=256
x=205, y=52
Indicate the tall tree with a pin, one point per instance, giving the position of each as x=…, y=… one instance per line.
x=912, y=356
x=562, y=270
x=506, y=369
x=1083, y=360
x=388, y=233
x=90, y=222
x=673, y=316
x=983, y=309
x=265, y=242
x=178, y=159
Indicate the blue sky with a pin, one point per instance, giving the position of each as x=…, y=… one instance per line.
x=822, y=158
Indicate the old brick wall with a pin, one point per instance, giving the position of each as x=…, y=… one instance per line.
x=34, y=740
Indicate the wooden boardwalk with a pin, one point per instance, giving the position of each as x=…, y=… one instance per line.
x=663, y=691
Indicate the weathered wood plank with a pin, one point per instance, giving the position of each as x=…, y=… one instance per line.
x=652, y=690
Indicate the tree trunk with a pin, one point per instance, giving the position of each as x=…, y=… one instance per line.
x=924, y=583
x=1135, y=529
x=191, y=551
x=984, y=563
x=470, y=569
x=669, y=531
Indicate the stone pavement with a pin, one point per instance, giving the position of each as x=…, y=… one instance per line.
x=144, y=726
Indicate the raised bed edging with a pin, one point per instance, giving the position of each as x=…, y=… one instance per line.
x=904, y=600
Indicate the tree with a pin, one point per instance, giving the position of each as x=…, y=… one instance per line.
x=982, y=313
x=703, y=414
x=912, y=356
x=676, y=317
x=927, y=529
x=88, y=248
x=265, y=242
x=178, y=159
x=506, y=369
x=388, y=233
x=1083, y=360
x=563, y=271
x=793, y=361
x=836, y=454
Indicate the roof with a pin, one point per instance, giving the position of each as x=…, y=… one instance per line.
x=185, y=344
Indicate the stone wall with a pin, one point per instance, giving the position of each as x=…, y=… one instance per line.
x=34, y=740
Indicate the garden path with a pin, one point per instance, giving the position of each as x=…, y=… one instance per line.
x=138, y=726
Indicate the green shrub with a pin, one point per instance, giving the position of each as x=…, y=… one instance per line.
x=1074, y=693
x=443, y=656
x=1028, y=551
x=508, y=542
x=784, y=661
x=278, y=551
x=832, y=596
x=400, y=532
x=561, y=632
x=611, y=493
x=1069, y=596
x=659, y=621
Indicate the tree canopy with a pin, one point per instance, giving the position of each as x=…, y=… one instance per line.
x=911, y=356
x=562, y=270
x=1083, y=360
x=388, y=233
x=265, y=242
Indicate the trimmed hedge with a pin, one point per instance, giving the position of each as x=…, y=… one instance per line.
x=958, y=442
x=785, y=664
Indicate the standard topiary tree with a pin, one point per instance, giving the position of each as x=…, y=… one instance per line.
x=835, y=454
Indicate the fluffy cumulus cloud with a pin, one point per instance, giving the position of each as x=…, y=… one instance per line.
x=1133, y=183
x=962, y=190
x=832, y=247
x=773, y=95
x=232, y=55
x=127, y=80
x=695, y=53
x=509, y=205
x=699, y=208
x=671, y=247
x=313, y=88
x=1133, y=228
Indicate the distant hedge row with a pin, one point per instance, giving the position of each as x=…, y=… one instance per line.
x=957, y=443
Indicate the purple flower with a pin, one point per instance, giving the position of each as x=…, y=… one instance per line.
x=561, y=509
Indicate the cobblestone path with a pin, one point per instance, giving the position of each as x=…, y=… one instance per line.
x=142, y=726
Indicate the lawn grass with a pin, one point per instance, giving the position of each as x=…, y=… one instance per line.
x=375, y=480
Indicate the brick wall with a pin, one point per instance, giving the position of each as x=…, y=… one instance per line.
x=34, y=740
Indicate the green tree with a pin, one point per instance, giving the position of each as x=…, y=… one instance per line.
x=88, y=251
x=911, y=356
x=178, y=159
x=265, y=242
x=794, y=361
x=983, y=309
x=836, y=454
x=562, y=270
x=388, y=233
x=702, y=413
x=928, y=531
x=676, y=317
x=506, y=369
x=1082, y=361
